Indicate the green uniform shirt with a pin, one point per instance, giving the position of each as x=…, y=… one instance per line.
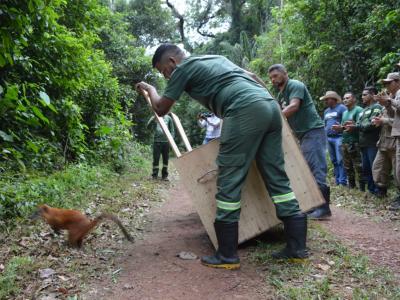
x=351, y=115
x=369, y=134
x=215, y=82
x=159, y=136
x=306, y=118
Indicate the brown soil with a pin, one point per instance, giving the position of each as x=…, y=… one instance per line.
x=152, y=270
x=380, y=241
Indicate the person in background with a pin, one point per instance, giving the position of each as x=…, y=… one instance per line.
x=333, y=116
x=161, y=146
x=392, y=104
x=368, y=136
x=385, y=160
x=212, y=124
x=350, y=147
x=299, y=109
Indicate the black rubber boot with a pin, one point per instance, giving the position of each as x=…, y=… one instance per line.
x=226, y=256
x=352, y=184
x=295, y=228
x=395, y=205
x=323, y=211
x=362, y=184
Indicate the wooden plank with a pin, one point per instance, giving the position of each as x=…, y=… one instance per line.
x=198, y=173
x=163, y=126
x=179, y=127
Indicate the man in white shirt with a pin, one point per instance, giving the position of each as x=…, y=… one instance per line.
x=212, y=124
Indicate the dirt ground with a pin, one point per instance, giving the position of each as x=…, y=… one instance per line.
x=152, y=270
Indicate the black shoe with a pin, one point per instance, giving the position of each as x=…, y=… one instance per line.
x=381, y=192
x=395, y=205
x=296, y=235
x=226, y=256
x=362, y=186
x=320, y=213
x=323, y=211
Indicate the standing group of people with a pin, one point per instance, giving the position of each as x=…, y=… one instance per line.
x=362, y=141
x=252, y=130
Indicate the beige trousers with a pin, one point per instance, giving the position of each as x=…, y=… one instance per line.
x=384, y=163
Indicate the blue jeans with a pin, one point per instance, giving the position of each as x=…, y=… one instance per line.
x=207, y=140
x=313, y=146
x=335, y=153
x=367, y=158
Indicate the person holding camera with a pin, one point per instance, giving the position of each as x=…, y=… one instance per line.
x=212, y=124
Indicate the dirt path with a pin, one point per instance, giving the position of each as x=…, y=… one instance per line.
x=152, y=271
x=380, y=241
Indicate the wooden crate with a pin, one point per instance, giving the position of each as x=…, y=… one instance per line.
x=197, y=170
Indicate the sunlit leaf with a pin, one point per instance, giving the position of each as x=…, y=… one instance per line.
x=44, y=97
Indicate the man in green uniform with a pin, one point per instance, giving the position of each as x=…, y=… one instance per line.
x=299, y=109
x=392, y=104
x=252, y=130
x=368, y=136
x=350, y=148
x=161, y=146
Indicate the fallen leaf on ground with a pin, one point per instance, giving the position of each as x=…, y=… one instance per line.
x=323, y=267
x=46, y=273
x=128, y=286
x=186, y=255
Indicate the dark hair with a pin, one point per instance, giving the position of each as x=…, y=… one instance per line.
x=371, y=90
x=351, y=93
x=278, y=67
x=162, y=49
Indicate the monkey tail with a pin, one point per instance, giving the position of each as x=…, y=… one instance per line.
x=116, y=221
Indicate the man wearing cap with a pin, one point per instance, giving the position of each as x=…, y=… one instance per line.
x=392, y=104
x=350, y=147
x=333, y=116
x=368, y=136
x=299, y=109
x=252, y=130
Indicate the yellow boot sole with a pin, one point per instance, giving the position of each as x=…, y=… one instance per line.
x=223, y=266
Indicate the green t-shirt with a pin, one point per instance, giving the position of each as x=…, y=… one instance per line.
x=351, y=115
x=306, y=118
x=159, y=136
x=369, y=133
x=215, y=82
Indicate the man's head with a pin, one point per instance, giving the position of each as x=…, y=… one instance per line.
x=392, y=83
x=349, y=99
x=368, y=94
x=166, y=58
x=331, y=99
x=278, y=75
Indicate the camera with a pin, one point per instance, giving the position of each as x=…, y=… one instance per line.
x=205, y=115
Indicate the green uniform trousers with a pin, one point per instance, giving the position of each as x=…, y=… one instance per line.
x=160, y=149
x=253, y=132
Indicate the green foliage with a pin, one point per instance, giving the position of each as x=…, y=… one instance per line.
x=149, y=20
x=67, y=68
x=20, y=193
x=10, y=282
x=358, y=45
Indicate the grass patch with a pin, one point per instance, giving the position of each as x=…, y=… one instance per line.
x=12, y=278
x=332, y=272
